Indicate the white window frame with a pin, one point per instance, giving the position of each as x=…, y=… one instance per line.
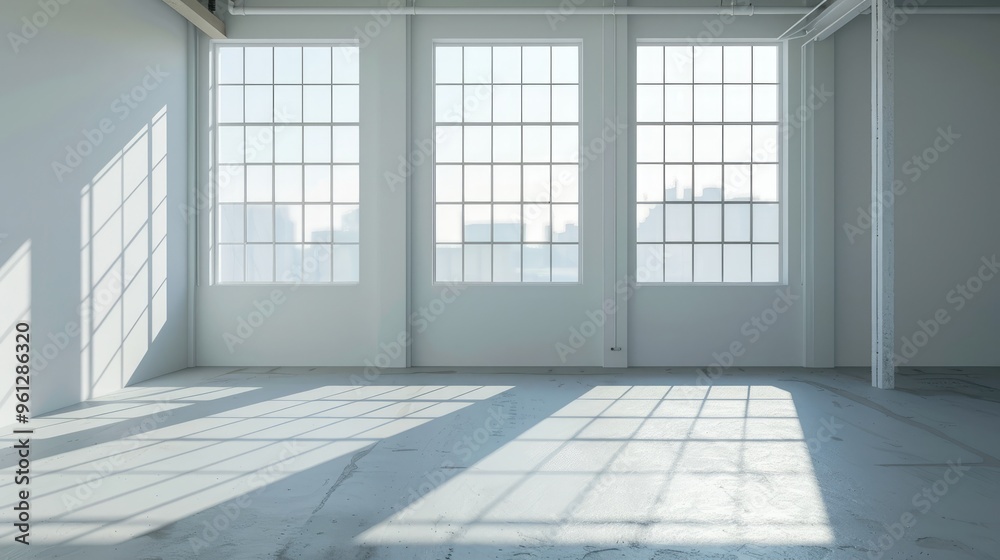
x=781, y=153
x=508, y=42
x=214, y=168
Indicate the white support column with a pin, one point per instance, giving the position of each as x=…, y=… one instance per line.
x=883, y=147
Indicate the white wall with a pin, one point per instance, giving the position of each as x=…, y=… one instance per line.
x=93, y=255
x=946, y=220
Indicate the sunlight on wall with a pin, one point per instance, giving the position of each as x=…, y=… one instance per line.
x=15, y=307
x=173, y=467
x=684, y=465
x=123, y=260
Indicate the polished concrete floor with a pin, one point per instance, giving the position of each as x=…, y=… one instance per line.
x=294, y=463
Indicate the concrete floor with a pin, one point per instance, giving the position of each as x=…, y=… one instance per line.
x=477, y=464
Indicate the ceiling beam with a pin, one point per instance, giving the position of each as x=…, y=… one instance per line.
x=193, y=11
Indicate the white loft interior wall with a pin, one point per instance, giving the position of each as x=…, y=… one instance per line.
x=93, y=245
x=946, y=212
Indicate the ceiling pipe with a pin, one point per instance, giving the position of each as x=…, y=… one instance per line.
x=749, y=10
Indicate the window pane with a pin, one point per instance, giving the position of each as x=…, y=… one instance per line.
x=507, y=65
x=346, y=223
x=707, y=143
x=506, y=103
x=448, y=144
x=231, y=67
x=346, y=144
x=506, y=263
x=765, y=183
x=565, y=223
x=765, y=103
x=477, y=223
x=346, y=67
x=288, y=65
x=679, y=143
x=258, y=104
x=317, y=144
x=537, y=183
x=736, y=264
x=317, y=65
x=537, y=222
x=649, y=223
x=565, y=103
x=678, y=182
x=478, y=263
x=448, y=103
x=448, y=223
x=565, y=263
x=765, y=223
x=535, y=103
x=448, y=65
x=766, y=264
x=477, y=147
x=677, y=263
x=316, y=223
x=707, y=222
x=765, y=64
x=448, y=263
x=707, y=182
x=230, y=141
x=535, y=65
x=649, y=183
x=287, y=104
x=737, y=179
x=506, y=144
x=477, y=183
x=346, y=183
x=288, y=223
x=649, y=143
x=737, y=222
x=677, y=220
x=678, y=65
x=707, y=64
x=258, y=65
x=346, y=104
x=708, y=263
x=260, y=144
x=231, y=183
x=565, y=183
x=649, y=262
x=765, y=143
x=738, y=103
x=737, y=64
x=565, y=144
x=535, y=144
x=707, y=103
x=649, y=65
x=649, y=103
x=259, y=223
x=736, y=143
x=288, y=183
x=259, y=183
x=346, y=263
x=288, y=263
x=231, y=223
x=260, y=263
x=679, y=103
x=317, y=183
x=507, y=183
x=448, y=183
x=230, y=104
x=231, y=263
x=317, y=103
x=316, y=264
x=565, y=65
x=288, y=144
x=536, y=263
x=478, y=103
x=478, y=65
x=506, y=222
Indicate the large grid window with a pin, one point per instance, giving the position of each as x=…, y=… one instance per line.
x=288, y=187
x=707, y=168
x=506, y=177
